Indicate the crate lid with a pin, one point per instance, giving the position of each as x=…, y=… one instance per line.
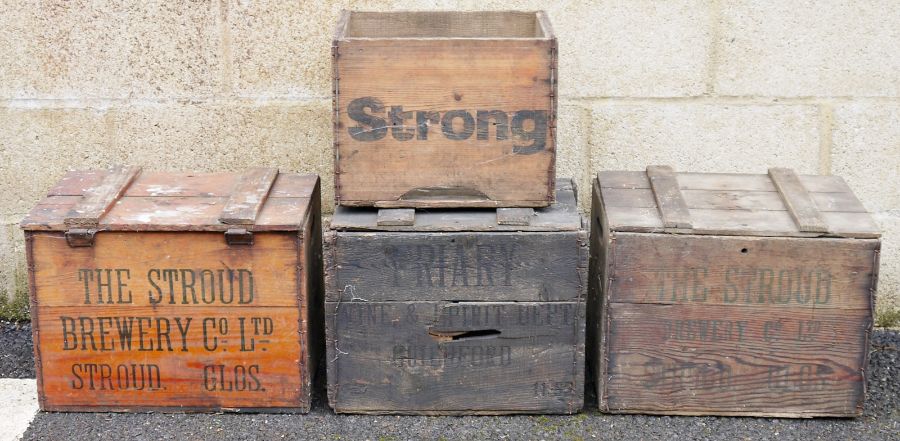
x=127, y=199
x=780, y=203
x=561, y=216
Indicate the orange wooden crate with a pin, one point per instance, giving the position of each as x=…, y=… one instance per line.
x=176, y=292
x=444, y=109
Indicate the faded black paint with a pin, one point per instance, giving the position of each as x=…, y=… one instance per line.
x=371, y=126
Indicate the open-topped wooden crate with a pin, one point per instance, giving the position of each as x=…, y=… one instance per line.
x=730, y=294
x=176, y=291
x=444, y=109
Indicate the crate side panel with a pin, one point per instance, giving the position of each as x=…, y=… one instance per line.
x=421, y=357
x=123, y=324
x=784, y=273
x=716, y=359
x=408, y=131
x=533, y=266
x=159, y=269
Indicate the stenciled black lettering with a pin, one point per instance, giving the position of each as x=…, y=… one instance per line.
x=370, y=127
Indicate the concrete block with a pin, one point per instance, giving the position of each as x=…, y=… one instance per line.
x=705, y=137
x=823, y=48
x=572, y=154
x=109, y=49
x=229, y=136
x=38, y=145
x=865, y=151
x=12, y=261
x=612, y=48
x=889, y=275
x=281, y=49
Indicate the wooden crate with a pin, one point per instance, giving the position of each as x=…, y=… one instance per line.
x=457, y=312
x=176, y=292
x=444, y=109
x=730, y=294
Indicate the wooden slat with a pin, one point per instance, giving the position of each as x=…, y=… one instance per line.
x=98, y=200
x=801, y=206
x=390, y=357
x=472, y=266
x=174, y=184
x=396, y=216
x=560, y=216
x=672, y=208
x=248, y=196
x=514, y=216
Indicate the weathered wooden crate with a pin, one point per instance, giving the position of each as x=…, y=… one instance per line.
x=444, y=109
x=730, y=294
x=457, y=312
x=176, y=292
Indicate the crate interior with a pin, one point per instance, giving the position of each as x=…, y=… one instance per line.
x=445, y=24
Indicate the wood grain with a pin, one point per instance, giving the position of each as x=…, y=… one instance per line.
x=427, y=358
x=562, y=215
x=97, y=201
x=185, y=373
x=672, y=208
x=782, y=273
x=271, y=259
x=534, y=266
x=797, y=200
x=735, y=204
x=167, y=201
x=706, y=324
x=514, y=216
x=433, y=64
x=396, y=217
x=248, y=196
x=210, y=327
x=720, y=359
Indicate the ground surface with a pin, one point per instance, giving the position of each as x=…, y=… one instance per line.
x=880, y=422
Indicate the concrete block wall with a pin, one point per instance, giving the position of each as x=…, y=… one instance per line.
x=716, y=85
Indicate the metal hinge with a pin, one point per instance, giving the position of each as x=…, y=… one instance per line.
x=238, y=236
x=80, y=237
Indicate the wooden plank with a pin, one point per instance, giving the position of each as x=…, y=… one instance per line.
x=291, y=185
x=50, y=213
x=312, y=293
x=435, y=150
x=140, y=262
x=797, y=200
x=669, y=201
x=455, y=358
x=210, y=327
x=168, y=360
x=444, y=24
x=514, y=216
x=98, y=200
x=75, y=183
x=721, y=360
x=781, y=273
x=180, y=184
x=396, y=217
x=248, y=196
x=731, y=200
x=561, y=216
x=168, y=201
x=384, y=266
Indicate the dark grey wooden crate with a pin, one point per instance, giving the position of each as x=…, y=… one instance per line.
x=457, y=313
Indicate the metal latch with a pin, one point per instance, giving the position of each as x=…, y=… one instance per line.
x=80, y=237
x=238, y=236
